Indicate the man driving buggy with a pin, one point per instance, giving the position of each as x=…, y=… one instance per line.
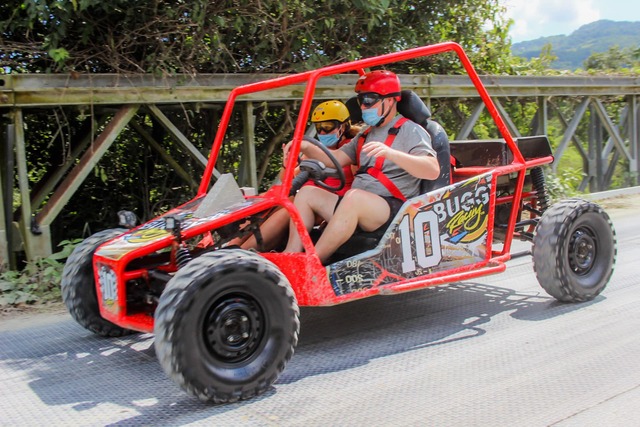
x=393, y=155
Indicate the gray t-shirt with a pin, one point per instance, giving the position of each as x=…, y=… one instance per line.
x=412, y=139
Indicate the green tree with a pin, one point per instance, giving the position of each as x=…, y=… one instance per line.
x=205, y=36
x=615, y=59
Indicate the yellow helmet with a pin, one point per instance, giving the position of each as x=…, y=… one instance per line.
x=330, y=110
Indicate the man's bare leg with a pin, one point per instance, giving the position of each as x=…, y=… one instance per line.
x=358, y=207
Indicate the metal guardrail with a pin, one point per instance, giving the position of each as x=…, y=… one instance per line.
x=611, y=194
x=37, y=90
x=20, y=94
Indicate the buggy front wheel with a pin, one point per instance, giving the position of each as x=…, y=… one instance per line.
x=226, y=325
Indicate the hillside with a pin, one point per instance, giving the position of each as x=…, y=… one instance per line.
x=574, y=48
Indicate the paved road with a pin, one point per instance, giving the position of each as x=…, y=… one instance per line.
x=496, y=351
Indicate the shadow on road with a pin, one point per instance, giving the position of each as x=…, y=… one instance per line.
x=65, y=365
x=346, y=336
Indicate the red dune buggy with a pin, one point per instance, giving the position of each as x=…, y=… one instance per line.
x=226, y=320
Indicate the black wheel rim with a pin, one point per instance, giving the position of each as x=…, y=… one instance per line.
x=233, y=328
x=582, y=251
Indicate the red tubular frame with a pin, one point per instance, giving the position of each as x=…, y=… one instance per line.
x=305, y=272
x=311, y=78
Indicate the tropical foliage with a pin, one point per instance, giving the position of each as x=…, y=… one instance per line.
x=37, y=282
x=234, y=36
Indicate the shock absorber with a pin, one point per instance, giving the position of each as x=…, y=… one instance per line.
x=183, y=256
x=537, y=179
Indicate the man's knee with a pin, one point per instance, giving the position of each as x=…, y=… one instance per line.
x=370, y=209
x=359, y=199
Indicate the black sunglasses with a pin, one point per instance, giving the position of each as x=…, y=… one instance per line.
x=368, y=100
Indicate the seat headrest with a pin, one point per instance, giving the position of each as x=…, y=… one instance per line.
x=355, y=113
x=412, y=107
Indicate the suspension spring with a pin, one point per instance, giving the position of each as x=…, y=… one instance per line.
x=183, y=256
x=537, y=179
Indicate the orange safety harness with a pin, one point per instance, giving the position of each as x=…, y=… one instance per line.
x=376, y=170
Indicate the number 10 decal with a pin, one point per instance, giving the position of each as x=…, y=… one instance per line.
x=424, y=224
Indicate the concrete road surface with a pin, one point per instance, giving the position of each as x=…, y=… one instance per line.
x=496, y=351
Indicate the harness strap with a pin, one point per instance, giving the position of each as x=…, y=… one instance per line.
x=361, y=139
x=384, y=180
x=376, y=170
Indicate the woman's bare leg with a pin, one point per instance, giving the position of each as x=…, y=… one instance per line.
x=310, y=201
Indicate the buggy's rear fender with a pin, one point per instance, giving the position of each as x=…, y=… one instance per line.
x=495, y=152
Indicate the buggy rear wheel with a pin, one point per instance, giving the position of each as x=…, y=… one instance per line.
x=226, y=325
x=574, y=250
x=78, y=286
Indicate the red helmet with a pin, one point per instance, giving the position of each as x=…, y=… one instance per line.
x=382, y=82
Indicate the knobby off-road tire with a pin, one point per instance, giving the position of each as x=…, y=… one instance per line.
x=574, y=250
x=226, y=325
x=79, y=287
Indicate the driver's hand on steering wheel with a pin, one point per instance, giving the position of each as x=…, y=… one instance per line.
x=287, y=147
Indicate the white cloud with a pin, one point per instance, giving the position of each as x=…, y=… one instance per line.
x=538, y=18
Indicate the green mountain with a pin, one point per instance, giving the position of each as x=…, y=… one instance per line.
x=572, y=50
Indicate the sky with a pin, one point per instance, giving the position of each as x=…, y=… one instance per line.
x=542, y=18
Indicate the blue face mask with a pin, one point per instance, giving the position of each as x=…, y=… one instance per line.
x=371, y=117
x=328, y=140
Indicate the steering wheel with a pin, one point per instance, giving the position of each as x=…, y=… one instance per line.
x=316, y=171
